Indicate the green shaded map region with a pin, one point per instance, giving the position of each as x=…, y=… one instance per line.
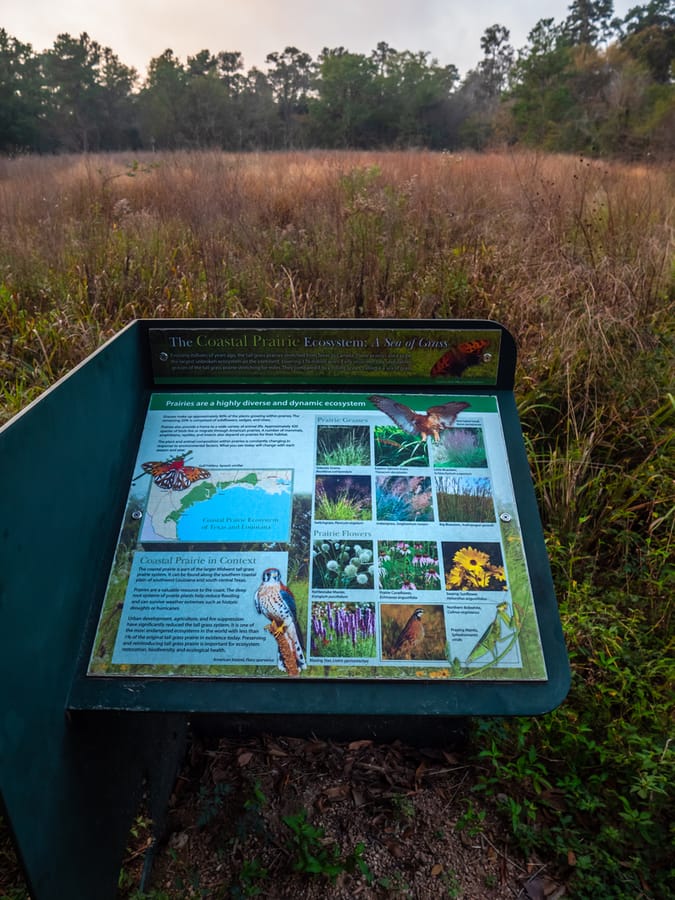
x=230, y=506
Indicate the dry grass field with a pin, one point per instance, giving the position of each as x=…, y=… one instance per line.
x=575, y=258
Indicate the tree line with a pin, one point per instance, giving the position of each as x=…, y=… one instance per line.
x=592, y=83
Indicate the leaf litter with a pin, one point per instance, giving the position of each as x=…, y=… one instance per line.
x=285, y=817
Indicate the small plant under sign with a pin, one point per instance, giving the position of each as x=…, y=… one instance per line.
x=314, y=854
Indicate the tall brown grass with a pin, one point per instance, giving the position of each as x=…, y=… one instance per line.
x=549, y=245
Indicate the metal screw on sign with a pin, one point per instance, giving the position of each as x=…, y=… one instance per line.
x=137, y=514
x=505, y=517
x=163, y=356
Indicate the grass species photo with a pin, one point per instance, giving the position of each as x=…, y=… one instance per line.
x=343, y=497
x=393, y=447
x=473, y=568
x=401, y=498
x=464, y=498
x=343, y=629
x=338, y=445
x=408, y=566
x=413, y=632
x=460, y=448
x=342, y=564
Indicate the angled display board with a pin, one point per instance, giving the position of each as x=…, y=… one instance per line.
x=328, y=506
x=308, y=526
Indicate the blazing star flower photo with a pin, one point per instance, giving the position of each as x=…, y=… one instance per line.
x=343, y=630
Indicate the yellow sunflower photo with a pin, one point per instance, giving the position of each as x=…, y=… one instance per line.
x=469, y=568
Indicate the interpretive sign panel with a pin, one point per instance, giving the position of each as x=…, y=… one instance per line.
x=324, y=355
x=325, y=535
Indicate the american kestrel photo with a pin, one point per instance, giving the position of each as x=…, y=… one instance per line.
x=276, y=601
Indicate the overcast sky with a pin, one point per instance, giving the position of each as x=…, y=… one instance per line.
x=137, y=30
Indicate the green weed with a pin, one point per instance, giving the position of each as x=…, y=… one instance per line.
x=451, y=885
x=310, y=852
x=396, y=885
x=251, y=821
x=313, y=854
x=471, y=820
x=211, y=802
x=251, y=880
x=404, y=806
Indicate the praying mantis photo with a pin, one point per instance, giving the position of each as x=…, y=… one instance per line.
x=492, y=636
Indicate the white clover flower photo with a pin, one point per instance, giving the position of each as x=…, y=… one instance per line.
x=343, y=564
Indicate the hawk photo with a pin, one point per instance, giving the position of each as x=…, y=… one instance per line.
x=435, y=420
x=275, y=601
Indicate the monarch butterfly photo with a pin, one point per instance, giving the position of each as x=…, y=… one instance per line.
x=173, y=474
x=457, y=359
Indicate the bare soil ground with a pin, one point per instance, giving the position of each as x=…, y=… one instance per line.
x=376, y=820
x=285, y=817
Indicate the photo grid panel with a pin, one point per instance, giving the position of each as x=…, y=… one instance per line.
x=407, y=568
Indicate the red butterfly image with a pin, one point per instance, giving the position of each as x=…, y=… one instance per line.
x=457, y=359
x=173, y=474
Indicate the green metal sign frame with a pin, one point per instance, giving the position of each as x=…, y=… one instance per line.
x=75, y=750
